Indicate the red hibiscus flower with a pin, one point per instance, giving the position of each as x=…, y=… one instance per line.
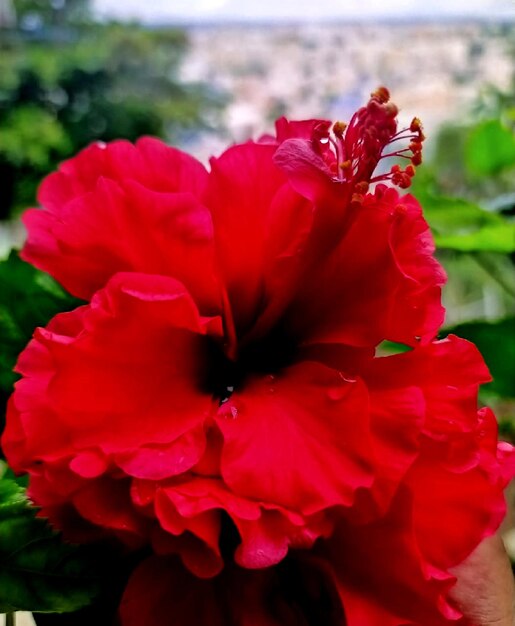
x=218, y=397
x=377, y=568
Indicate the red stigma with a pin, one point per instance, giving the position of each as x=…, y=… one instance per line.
x=354, y=150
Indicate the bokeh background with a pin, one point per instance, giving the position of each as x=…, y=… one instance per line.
x=204, y=73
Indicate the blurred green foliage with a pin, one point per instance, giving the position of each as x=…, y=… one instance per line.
x=63, y=86
x=496, y=343
x=37, y=570
x=489, y=148
x=467, y=189
x=474, y=158
x=464, y=226
x=28, y=298
x=51, y=12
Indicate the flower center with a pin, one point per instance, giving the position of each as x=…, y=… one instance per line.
x=223, y=375
x=352, y=151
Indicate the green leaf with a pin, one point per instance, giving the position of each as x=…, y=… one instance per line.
x=496, y=342
x=28, y=298
x=38, y=571
x=388, y=348
x=490, y=148
x=464, y=226
x=489, y=239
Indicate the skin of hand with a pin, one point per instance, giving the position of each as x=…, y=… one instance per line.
x=485, y=590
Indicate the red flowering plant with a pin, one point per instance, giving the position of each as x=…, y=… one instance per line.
x=218, y=406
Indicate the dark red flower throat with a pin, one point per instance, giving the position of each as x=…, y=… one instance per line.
x=223, y=375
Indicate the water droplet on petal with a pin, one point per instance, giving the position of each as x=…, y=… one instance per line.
x=228, y=411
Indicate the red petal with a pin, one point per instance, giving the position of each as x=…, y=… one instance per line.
x=158, y=461
x=266, y=541
x=101, y=218
x=106, y=503
x=383, y=577
x=266, y=532
x=160, y=588
x=149, y=162
x=200, y=561
x=455, y=510
x=300, y=129
x=309, y=174
x=396, y=418
x=89, y=464
x=362, y=294
x=448, y=371
x=417, y=307
x=458, y=477
x=252, y=207
x=124, y=380
x=279, y=442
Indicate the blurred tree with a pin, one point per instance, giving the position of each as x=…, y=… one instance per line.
x=36, y=13
x=60, y=89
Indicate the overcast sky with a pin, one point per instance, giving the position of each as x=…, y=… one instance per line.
x=208, y=10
